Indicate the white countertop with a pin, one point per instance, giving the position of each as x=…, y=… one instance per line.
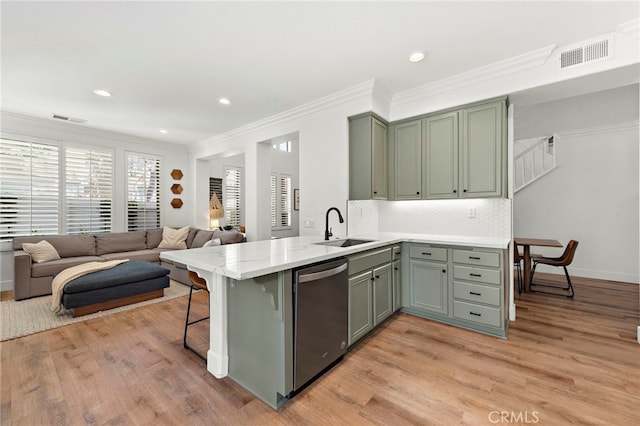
x=254, y=259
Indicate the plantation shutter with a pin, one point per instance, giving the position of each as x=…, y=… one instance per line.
x=88, y=190
x=143, y=192
x=233, y=195
x=285, y=201
x=29, y=189
x=274, y=200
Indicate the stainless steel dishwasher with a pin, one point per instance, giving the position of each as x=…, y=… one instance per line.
x=321, y=309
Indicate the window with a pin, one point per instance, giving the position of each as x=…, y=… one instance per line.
x=29, y=188
x=88, y=190
x=281, y=194
x=143, y=192
x=282, y=146
x=232, y=195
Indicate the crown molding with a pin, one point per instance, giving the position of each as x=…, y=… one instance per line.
x=513, y=65
x=604, y=129
x=365, y=89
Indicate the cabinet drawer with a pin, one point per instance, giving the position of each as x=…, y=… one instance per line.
x=476, y=313
x=428, y=253
x=477, y=293
x=368, y=260
x=481, y=275
x=481, y=258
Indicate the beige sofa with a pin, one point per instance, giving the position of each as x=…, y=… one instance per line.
x=34, y=279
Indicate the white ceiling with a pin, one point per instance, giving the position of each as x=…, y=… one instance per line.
x=167, y=63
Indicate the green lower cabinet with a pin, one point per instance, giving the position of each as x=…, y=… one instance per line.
x=461, y=286
x=382, y=293
x=429, y=286
x=360, y=306
x=370, y=300
x=397, y=285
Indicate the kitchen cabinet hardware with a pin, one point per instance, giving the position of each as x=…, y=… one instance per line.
x=476, y=275
x=475, y=293
x=475, y=314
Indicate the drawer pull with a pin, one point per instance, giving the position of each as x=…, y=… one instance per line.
x=474, y=258
x=426, y=254
x=475, y=275
x=475, y=314
x=475, y=294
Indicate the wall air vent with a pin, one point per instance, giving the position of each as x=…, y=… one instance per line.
x=71, y=119
x=587, y=52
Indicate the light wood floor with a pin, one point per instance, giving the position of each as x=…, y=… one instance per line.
x=565, y=362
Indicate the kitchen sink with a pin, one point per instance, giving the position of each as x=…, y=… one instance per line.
x=344, y=243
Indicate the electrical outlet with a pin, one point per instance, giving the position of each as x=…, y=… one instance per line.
x=309, y=223
x=472, y=212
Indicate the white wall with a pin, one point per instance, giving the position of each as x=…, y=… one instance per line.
x=172, y=157
x=592, y=196
x=322, y=127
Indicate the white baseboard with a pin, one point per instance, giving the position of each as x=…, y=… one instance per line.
x=638, y=336
x=598, y=275
x=6, y=285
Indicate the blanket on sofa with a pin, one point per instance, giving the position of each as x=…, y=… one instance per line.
x=69, y=274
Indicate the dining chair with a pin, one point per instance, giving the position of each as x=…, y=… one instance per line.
x=517, y=261
x=563, y=261
x=197, y=283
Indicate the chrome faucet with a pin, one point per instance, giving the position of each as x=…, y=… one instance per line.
x=327, y=230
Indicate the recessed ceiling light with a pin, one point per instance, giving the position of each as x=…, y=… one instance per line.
x=224, y=101
x=163, y=131
x=102, y=92
x=416, y=57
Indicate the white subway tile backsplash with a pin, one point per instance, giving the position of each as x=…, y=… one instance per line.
x=492, y=217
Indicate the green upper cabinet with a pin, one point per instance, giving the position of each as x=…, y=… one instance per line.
x=405, y=143
x=464, y=153
x=458, y=153
x=367, y=158
x=482, y=146
x=440, y=156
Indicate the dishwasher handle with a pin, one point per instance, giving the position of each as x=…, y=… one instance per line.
x=314, y=276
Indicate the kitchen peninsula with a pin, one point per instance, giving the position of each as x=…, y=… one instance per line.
x=250, y=285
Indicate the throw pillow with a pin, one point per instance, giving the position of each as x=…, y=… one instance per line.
x=214, y=242
x=42, y=251
x=201, y=237
x=174, y=238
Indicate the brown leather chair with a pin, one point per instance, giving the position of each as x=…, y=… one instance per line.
x=563, y=261
x=197, y=283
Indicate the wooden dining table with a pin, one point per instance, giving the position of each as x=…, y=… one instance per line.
x=527, y=243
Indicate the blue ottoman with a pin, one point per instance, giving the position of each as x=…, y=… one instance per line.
x=127, y=283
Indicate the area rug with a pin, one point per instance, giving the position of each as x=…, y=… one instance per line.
x=34, y=315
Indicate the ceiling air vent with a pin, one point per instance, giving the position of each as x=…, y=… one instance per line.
x=589, y=52
x=71, y=119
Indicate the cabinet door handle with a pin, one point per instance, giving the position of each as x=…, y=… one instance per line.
x=418, y=193
x=476, y=275
x=455, y=191
x=372, y=279
x=475, y=294
x=444, y=271
x=475, y=314
x=464, y=190
x=375, y=192
x=377, y=277
x=395, y=269
x=474, y=258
